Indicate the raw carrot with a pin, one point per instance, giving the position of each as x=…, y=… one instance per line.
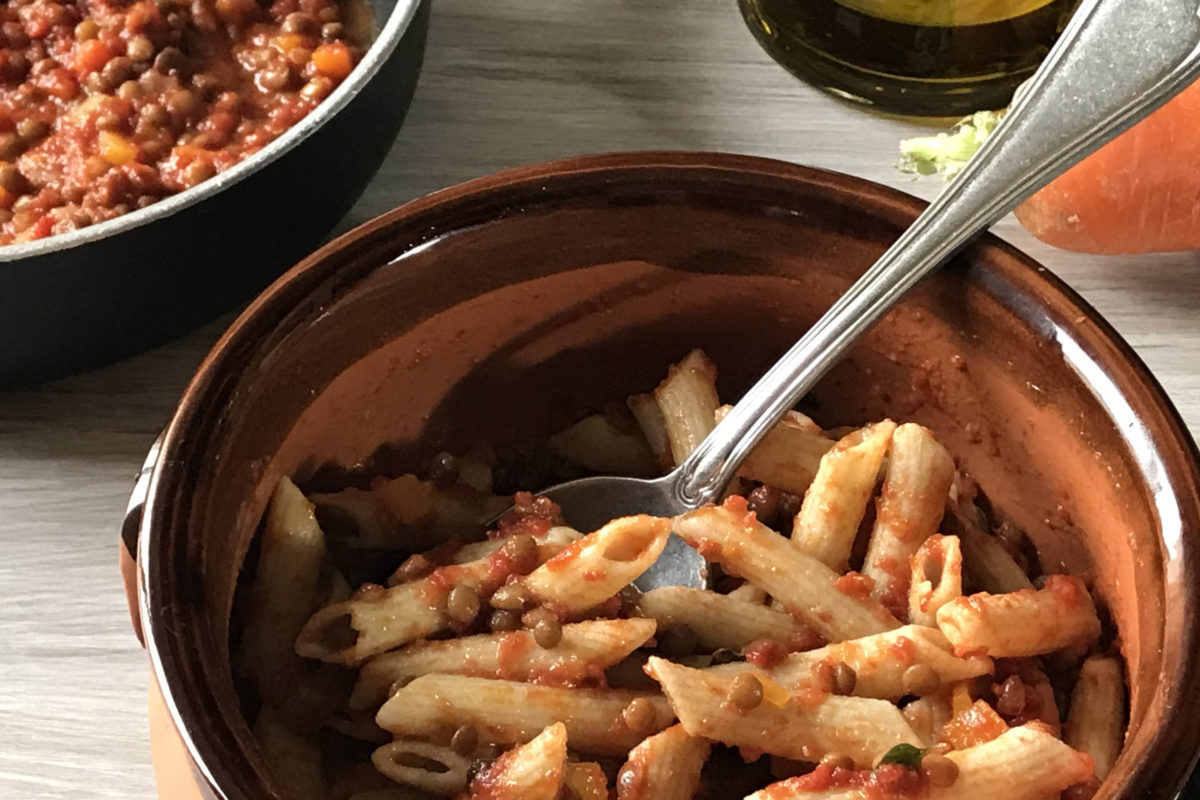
x=1138, y=194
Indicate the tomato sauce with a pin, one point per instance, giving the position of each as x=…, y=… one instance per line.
x=107, y=106
x=855, y=584
x=885, y=782
x=765, y=653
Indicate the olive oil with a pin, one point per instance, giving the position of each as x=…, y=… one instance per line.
x=911, y=57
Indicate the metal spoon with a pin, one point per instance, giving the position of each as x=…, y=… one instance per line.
x=1117, y=61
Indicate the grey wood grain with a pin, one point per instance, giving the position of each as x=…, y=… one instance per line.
x=507, y=82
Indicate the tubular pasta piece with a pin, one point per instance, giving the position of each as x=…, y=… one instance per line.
x=506, y=712
x=936, y=578
x=688, y=402
x=550, y=544
x=879, y=662
x=587, y=780
x=861, y=728
x=654, y=427
x=1096, y=722
x=532, y=771
x=808, y=589
x=1025, y=623
x=598, y=566
x=352, y=631
x=586, y=650
x=430, y=767
x=721, y=620
x=827, y=523
x=929, y=714
x=748, y=593
x=916, y=487
x=1024, y=763
x=985, y=558
x=373, y=525
x=291, y=571
x=788, y=456
x=596, y=444
x=664, y=767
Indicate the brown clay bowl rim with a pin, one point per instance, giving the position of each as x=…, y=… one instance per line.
x=1152, y=427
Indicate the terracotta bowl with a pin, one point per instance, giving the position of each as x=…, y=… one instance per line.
x=476, y=312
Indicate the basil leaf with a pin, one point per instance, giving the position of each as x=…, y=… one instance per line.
x=903, y=754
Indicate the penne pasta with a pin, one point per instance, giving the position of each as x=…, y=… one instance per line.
x=368, y=524
x=506, y=712
x=688, y=402
x=936, y=578
x=586, y=650
x=881, y=664
x=827, y=523
x=550, y=544
x=916, y=487
x=598, y=566
x=1024, y=763
x=291, y=574
x=748, y=593
x=531, y=771
x=987, y=562
x=654, y=428
x=381, y=619
x=665, y=766
x=1096, y=721
x=788, y=456
x=596, y=444
x=722, y=620
x=413, y=501
x=809, y=590
x=859, y=728
x=429, y=767
x=294, y=760
x=1024, y=623
x=587, y=780
x=929, y=714
x=528, y=640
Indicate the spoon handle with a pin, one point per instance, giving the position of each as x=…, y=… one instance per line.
x=1116, y=62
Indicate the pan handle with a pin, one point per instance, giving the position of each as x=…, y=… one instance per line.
x=130, y=528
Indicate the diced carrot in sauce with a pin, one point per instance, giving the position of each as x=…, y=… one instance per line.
x=141, y=16
x=116, y=149
x=978, y=724
x=333, y=60
x=287, y=41
x=91, y=56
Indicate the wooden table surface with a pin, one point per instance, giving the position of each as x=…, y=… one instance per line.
x=506, y=82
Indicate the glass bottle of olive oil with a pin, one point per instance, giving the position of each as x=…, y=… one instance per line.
x=912, y=57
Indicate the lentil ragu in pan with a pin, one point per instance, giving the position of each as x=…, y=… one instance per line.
x=107, y=106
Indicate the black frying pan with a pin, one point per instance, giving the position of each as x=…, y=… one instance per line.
x=98, y=294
